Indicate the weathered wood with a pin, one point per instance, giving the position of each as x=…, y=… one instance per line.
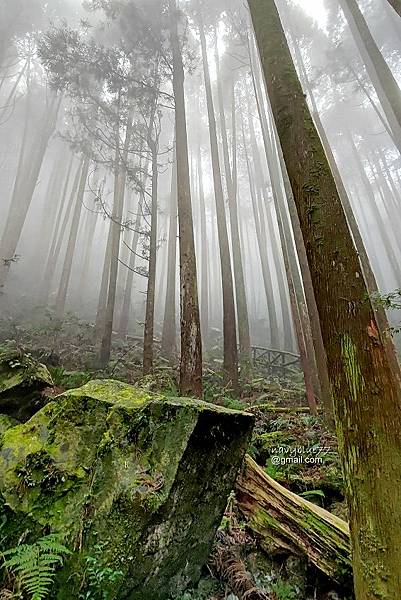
x=279, y=409
x=287, y=523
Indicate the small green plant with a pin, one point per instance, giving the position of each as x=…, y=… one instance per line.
x=99, y=577
x=313, y=494
x=285, y=591
x=34, y=565
x=69, y=379
x=391, y=301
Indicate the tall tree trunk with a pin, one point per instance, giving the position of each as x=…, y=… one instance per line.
x=232, y=191
x=59, y=232
x=151, y=289
x=295, y=287
x=366, y=391
x=205, y=268
x=120, y=176
x=28, y=170
x=230, y=360
x=104, y=284
x=86, y=262
x=191, y=340
x=169, y=342
x=90, y=229
x=370, y=278
x=72, y=240
x=127, y=298
x=266, y=272
x=383, y=80
x=48, y=214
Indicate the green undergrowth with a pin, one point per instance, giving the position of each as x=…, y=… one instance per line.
x=299, y=451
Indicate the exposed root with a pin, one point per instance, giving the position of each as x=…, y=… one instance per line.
x=229, y=568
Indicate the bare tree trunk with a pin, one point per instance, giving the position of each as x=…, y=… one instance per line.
x=92, y=220
x=72, y=240
x=230, y=360
x=104, y=283
x=204, y=253
x=232, y=191
x=49, y=209
x=267, y=277
x=59, y=232
x=370, y=278
x=191, y=341
x=366, y=391
x=120, y=176
x=311, y=323
x=28, y=170
x=151, y=289
x=169, y=342
x=127, y=299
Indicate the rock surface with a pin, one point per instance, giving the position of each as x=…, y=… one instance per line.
x=138, y=480
x=22, y=380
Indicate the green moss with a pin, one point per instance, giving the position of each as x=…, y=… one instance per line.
x=112, y=464
x=6, y=422
x=22, y=380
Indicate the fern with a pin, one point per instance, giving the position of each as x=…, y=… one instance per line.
x=34, y=565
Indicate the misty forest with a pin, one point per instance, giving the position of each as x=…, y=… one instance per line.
x=200, y=296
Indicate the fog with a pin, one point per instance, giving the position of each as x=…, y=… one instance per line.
x=87, y=104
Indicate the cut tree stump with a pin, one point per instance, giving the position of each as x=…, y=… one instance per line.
x=287, y=523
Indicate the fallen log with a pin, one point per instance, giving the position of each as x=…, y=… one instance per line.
x=286, y=523
x=279, y=409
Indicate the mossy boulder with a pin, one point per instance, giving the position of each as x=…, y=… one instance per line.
x=7, y=422
x=22, y=380
x=142, y=478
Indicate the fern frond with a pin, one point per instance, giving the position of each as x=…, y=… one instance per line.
x=34, y=564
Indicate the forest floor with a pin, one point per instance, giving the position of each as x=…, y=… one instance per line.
x=282, y=431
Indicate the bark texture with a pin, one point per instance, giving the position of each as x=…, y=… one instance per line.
x=366, y=391
x=191, y=341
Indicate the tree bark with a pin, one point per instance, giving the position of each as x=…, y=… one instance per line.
x=191, y=340
x=366, y=390
x=169, y=333
x=370, y=278
x=151, y=289
x=205, y=269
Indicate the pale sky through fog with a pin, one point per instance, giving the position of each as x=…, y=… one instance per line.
x=316, y=9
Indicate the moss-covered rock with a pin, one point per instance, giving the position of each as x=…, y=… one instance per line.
x=6, y=422
x=144, y=478
x=22, y=379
